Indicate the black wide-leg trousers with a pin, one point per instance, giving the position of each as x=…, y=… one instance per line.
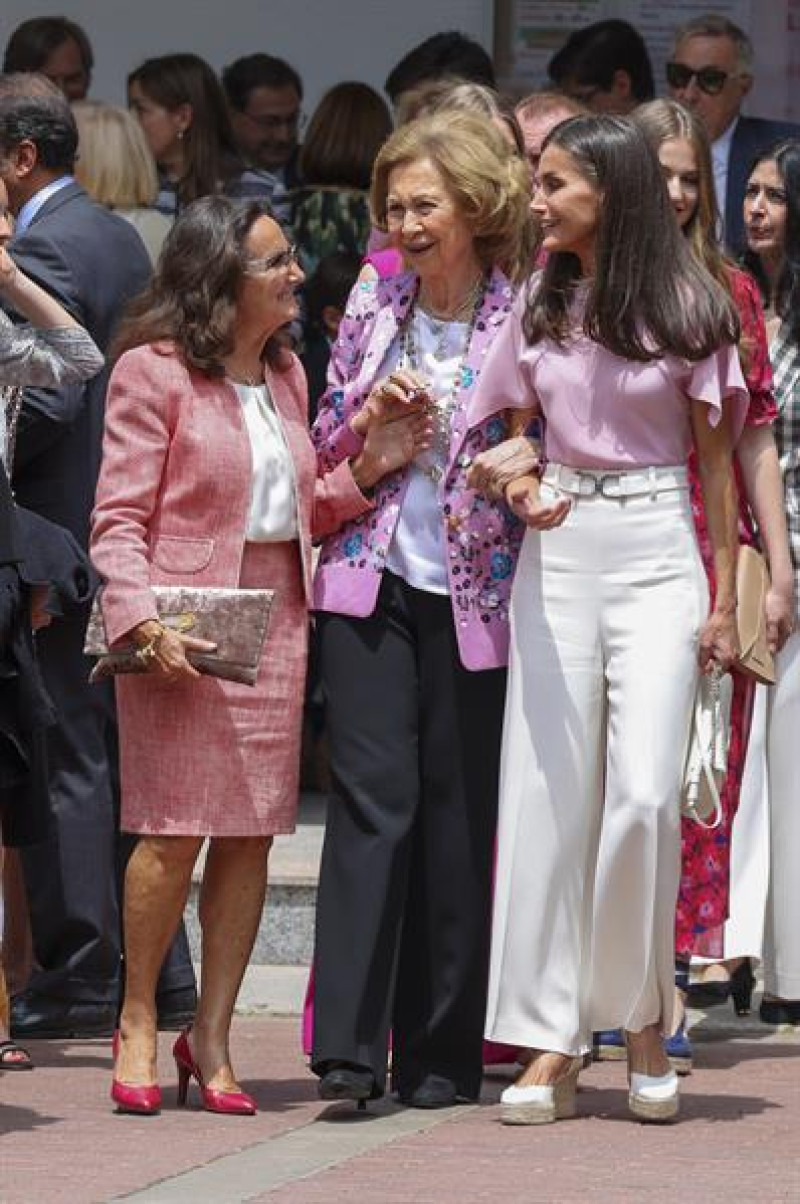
x=404, y=902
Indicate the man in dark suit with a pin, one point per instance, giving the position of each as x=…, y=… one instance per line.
x=94, y=262
x=711, y=71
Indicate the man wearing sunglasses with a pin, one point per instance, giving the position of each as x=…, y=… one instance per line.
x=711, y=71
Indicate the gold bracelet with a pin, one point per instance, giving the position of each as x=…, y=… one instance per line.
x=147, y=652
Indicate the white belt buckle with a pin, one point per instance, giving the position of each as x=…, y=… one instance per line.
x=609, y=485
x=588, y=484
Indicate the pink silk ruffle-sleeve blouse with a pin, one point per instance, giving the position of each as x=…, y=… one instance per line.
x=601, y=410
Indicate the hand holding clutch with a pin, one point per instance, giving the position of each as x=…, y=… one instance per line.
x=208, y=629
x=163, y=651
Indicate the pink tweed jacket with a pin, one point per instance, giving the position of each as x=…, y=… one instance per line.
x=483, y=537
x=173, y=496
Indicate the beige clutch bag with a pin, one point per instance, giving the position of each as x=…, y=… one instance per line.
x=752, y=584
x=236, y=620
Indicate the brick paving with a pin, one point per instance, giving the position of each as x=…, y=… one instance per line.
x=738, y=1139
x=62, y=1143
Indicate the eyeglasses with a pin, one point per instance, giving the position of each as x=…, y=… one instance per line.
x=283, y=259
x=271, y=123
x=710, y=80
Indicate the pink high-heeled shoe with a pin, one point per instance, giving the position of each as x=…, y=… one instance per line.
x=133, y=1097
x=231, y=1103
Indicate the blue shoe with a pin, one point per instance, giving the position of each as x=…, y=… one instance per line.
x=678, y=1049
x=609, y=1046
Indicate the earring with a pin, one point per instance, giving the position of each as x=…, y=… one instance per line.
x=180, y=134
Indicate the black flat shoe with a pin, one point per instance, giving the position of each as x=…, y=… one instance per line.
x=779, y=1011
x=348, y=1082
x=435, y=1091
x=59, y=1020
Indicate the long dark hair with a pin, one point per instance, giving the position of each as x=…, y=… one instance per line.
x=211, y=157
x=786, y=301
x=192, y=299
x=650, y=296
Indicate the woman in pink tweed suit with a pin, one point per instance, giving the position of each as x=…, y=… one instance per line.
x=209, y=477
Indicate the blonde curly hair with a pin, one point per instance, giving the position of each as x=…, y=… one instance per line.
x=488, y=183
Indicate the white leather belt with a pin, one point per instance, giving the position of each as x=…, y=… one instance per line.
x=638, y=482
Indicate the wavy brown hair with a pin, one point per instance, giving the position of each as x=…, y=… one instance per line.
x=489, y=184
x=192, y=300
x=650, y=295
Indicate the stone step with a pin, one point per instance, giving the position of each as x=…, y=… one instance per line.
x=286, y=933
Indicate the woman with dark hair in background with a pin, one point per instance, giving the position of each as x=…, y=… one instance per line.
x=55, y=47
x=609, y=612
x=330, y=212
x=226, y=492
x=181, y=107
x=681, y=143
x=772, y=226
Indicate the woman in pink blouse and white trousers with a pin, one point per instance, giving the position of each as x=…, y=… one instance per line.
x=626, y=348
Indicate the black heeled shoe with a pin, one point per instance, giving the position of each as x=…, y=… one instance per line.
x=743, y=980
x=343, y=1080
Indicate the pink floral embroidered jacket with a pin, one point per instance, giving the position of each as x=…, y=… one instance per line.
x=482, y=537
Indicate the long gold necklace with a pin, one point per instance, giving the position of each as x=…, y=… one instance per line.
x=443, y=407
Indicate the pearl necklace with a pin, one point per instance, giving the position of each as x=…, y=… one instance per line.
x=443, y=407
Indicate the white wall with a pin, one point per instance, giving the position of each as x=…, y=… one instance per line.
x=325, y=40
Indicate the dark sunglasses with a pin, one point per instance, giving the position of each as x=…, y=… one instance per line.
x=710, y=80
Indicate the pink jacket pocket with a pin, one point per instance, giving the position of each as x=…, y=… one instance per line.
x=180, y=554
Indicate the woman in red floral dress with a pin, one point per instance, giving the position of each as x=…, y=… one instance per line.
x=683, y=148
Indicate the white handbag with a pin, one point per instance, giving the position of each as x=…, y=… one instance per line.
x=707, y=757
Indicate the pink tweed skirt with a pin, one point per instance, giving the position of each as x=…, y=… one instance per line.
x=213, y=758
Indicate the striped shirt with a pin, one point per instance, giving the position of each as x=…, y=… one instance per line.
x=785, y=356
x=249, y=184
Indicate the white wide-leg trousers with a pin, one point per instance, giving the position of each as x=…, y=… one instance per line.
x=743, y=933
x=782, y=925
x=606, y=613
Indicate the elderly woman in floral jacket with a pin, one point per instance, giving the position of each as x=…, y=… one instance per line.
x=412, y=610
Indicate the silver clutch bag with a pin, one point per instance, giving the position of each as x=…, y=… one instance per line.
x=236, y=620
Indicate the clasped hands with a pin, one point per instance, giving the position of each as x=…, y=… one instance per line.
x=396, y=425
x=510, y=470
